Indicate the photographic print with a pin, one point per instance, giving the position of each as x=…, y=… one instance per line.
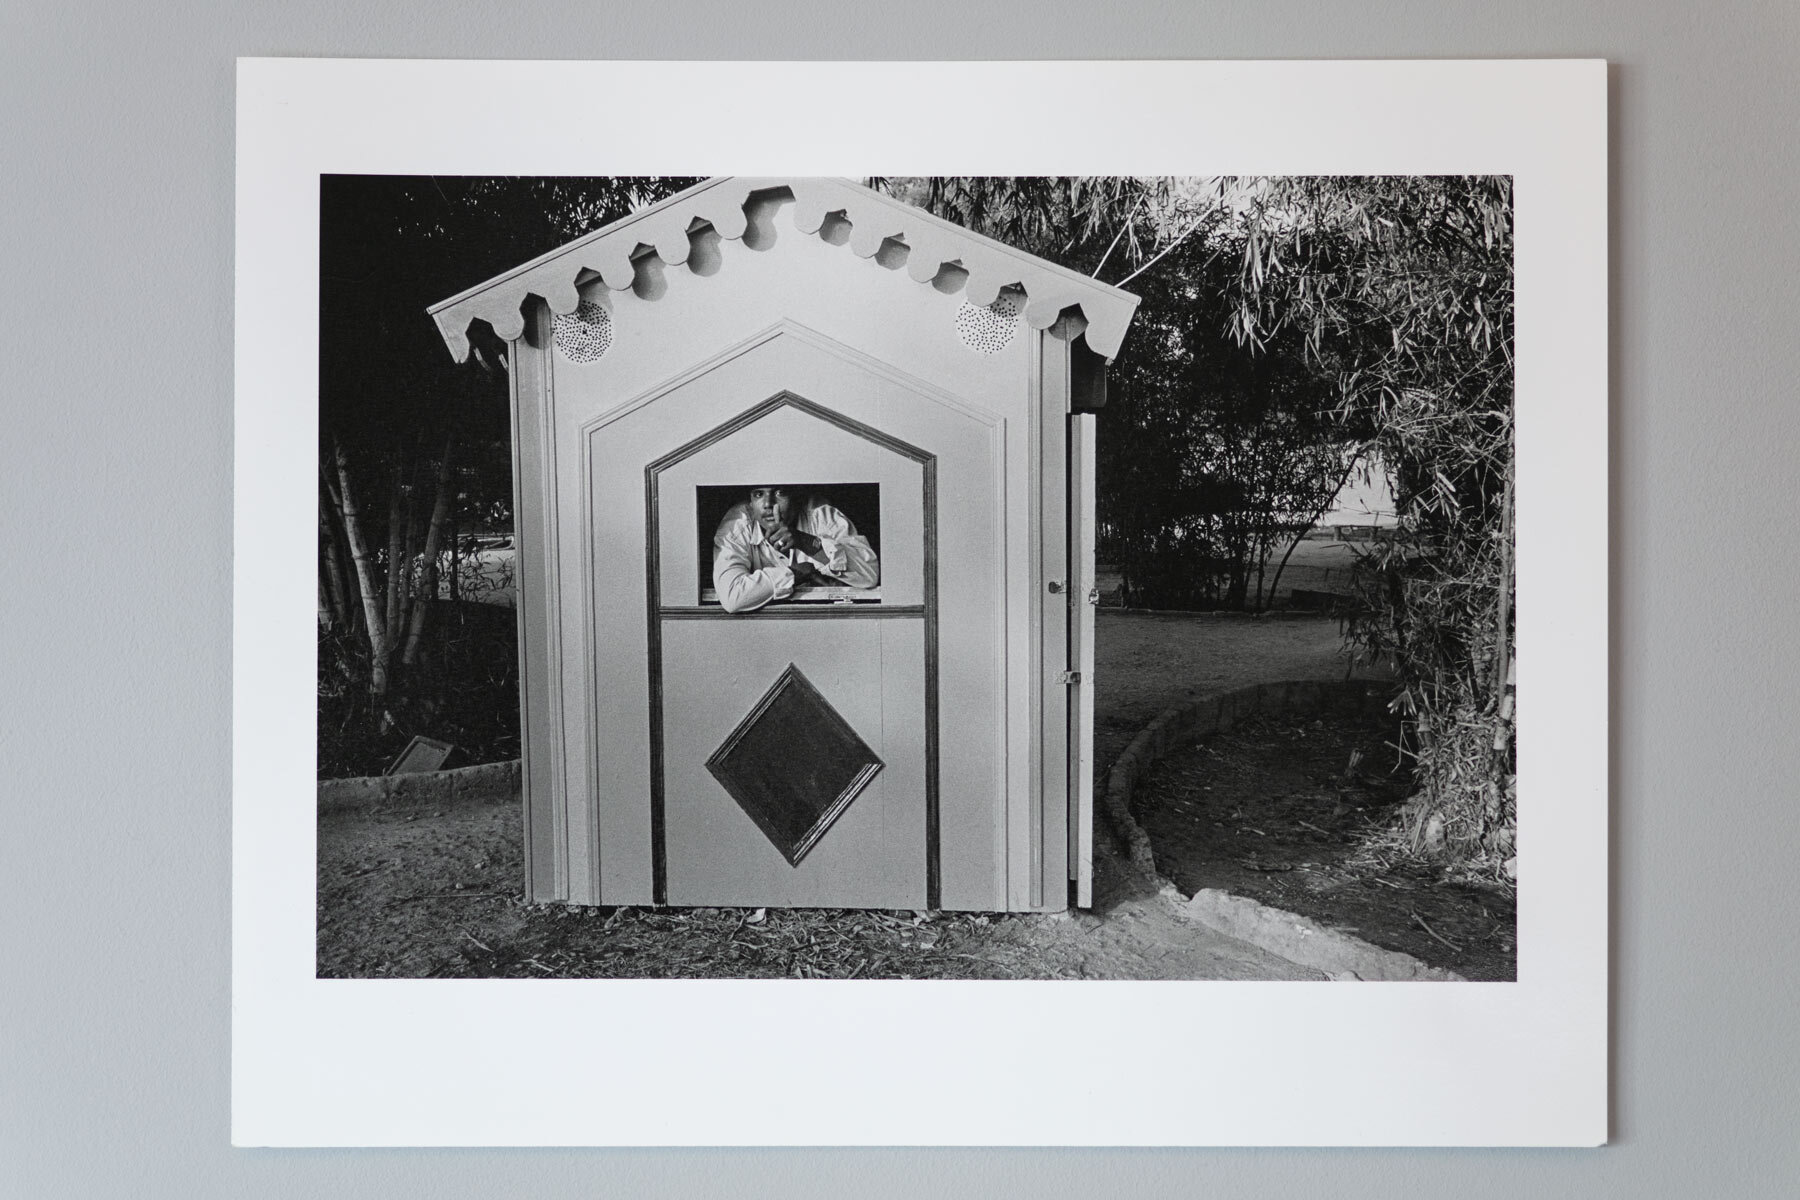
x=988, y=602
x=1250, y=584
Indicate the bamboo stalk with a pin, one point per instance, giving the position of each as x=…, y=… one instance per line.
x=409, y=556
x=1321, y=511
x=1503, y=654
x=331, y=578
x=440, y=512
x=395, y=546
x=379, y=646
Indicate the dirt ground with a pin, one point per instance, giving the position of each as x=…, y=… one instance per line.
x=433, y=892
x=432, y=895
x=1146, y=662
x=1293, y=812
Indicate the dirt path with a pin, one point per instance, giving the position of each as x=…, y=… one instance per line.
x=1146, y=662
x=431, y=893
x=1295, y=813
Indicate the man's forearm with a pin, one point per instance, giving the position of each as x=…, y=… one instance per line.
x=741, y=591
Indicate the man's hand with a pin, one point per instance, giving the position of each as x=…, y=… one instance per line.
x=779, y=536
x=796, y=547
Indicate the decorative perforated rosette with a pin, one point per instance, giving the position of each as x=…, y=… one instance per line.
x=988, y=329
x=584, y=335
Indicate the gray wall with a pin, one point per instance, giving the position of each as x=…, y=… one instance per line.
x=116, y=196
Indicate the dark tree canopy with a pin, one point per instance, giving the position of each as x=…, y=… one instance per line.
x=1210, y=449
x=415, y=451
x=390, y=246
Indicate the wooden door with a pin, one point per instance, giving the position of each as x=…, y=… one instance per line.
x=672, y=682
x=798, y=737
x=1084, y=596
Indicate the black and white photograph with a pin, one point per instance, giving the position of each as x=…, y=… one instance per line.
x=917, y=577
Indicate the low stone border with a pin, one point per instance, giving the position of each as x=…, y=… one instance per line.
x=1290, y=935
x=1302, y=940
x=489, y=783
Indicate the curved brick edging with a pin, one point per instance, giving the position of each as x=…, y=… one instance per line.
x=1296, y=938
x=1193, y=719
x=489, y=783
x=1303, y=940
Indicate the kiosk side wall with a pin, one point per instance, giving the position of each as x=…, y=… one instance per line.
x=543, y=796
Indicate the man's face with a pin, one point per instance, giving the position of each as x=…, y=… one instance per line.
x=769, y=506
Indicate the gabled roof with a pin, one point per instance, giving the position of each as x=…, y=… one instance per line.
x=932, y=245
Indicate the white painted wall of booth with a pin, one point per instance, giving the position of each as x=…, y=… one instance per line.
x=693, y=346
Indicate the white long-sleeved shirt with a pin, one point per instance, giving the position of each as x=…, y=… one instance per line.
x=748, y=572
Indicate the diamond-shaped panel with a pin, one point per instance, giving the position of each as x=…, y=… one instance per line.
x=793, y=765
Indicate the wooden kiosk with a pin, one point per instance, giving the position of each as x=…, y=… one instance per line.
x=912, y=730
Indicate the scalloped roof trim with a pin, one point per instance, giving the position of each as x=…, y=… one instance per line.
x=932, y=243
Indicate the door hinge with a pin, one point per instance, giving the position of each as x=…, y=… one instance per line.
x=1066, y=677
x=1093, y=595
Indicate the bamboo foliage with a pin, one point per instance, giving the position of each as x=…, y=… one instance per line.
x=1402, y=288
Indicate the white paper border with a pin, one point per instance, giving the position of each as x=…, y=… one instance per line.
x=493, y=1062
